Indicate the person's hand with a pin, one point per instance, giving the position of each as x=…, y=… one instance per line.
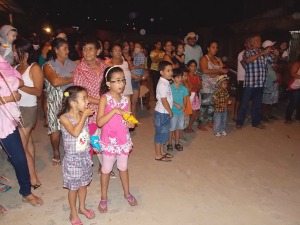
x=267, y=50
x=129, y=124
x=17, y=95
x=223, y=71
x=88, y=112
x=171, y=114
x=223, y=105
x=72, y=74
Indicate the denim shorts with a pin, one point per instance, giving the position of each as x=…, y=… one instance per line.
x=177, y=122
x=135, y=84
x=162, y=127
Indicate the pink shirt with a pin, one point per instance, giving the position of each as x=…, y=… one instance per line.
x=85, y=77
x=115, y=138
x=9, y=112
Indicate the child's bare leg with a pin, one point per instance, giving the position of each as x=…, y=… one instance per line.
x=158, y=151
x=72, y=195
x=82, y=196
x=171, y=137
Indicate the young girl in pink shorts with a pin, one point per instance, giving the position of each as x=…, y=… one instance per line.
x=115, y=139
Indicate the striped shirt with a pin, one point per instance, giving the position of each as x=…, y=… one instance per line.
x=256, y=71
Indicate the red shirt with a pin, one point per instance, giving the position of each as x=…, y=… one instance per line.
x=194, y=80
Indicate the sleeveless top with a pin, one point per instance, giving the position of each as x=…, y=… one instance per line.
x=63, y=70
x=27, y=100
x=208, y=82
x=115, y=138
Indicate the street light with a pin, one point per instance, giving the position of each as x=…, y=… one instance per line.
x=47, y=29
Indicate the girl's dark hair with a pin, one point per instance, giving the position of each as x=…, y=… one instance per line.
x=108, y=73
x=70, y=94
x=190, y=62
x=210, y=42
x=23, y=46
x=89, y=40
x=57, y=32
x=55, y=44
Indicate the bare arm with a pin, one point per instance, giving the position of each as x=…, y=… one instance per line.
x=165, y=103
x=167, y=58
x=37, y=78
x=75, y=130
x=103, y=118
x=254, y=57
x=54, y=78
x=294, y=69
x=212, y=73
x=10, y=98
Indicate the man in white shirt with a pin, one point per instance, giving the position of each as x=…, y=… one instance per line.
x=240, y=78
x=191, y=49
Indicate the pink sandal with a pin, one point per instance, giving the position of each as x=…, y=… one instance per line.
x=102, y=207
x=131, y=200
x=90, y=213
x=76, y=221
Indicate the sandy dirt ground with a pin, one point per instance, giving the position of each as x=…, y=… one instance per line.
x=250, y=177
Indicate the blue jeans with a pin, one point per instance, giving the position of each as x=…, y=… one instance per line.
x=13, y=147
x=162, y=127
x=254, y=94
x=294, y=103
x=220, y=119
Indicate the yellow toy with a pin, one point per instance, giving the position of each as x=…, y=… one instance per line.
x=130, y=118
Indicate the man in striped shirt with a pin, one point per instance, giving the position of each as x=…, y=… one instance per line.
x=256, y=61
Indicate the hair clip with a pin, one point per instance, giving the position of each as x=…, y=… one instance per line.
x=66, y=94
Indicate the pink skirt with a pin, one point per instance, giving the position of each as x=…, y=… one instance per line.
x=196, y=102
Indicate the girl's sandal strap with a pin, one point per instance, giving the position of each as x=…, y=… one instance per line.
x=102, y=207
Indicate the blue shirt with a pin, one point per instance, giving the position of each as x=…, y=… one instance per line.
x=194, y=52
x=178, y=97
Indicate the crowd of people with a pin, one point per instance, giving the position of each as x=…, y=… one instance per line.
x=87, y=88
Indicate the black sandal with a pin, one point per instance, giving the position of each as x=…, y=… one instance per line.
x=178, y=147
x=169, y=147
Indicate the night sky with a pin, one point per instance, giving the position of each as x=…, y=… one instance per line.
x=159, y=17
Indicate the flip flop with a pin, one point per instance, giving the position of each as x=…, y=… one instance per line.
x=131, y=200
x=56, y=162
x=164, y=159
x=4, y=188
x=2, y=210
x=36, y=186
x=76, y=221
x=90, y=213
x=102, y=207
x=168, y=155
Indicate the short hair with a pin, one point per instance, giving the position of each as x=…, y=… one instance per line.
x=89, y=40
x=163, y=64
x=177, y=72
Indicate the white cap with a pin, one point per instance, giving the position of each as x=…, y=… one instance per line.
x=268, y=43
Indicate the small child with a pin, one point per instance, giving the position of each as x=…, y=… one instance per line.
x=178, y=55
x=220, y=99
x=137, y=71
x=114, y=138
x=163, y=111
x=77, y=162
x=180, y=94
x=196, y=86
x=188, y=108
x=7, y=36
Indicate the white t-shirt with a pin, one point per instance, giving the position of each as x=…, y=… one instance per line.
x=240, y=69
x=163, y=90
x=194, y=52
x=127, y=73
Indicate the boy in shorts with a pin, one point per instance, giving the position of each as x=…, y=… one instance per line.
x=179, y=93
x=163, y=111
